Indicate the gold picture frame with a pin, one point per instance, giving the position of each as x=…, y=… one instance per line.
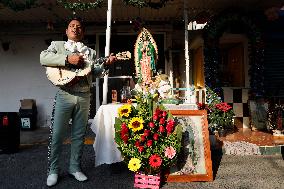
x=194, y=162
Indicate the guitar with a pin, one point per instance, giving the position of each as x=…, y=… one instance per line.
x=61, y=76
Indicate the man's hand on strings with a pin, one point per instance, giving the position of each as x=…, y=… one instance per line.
x=76, y=60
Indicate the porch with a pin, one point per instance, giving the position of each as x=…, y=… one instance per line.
x=268, y=143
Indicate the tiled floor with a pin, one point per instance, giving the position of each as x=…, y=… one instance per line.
x=256, y=137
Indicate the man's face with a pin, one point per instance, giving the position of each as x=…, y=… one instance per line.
x=75, y=31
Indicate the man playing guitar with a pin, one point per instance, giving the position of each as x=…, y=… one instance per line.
x=72, y=100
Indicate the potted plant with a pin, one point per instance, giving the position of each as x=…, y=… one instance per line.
x=220, y=117
x=148, y=137
x=219, y=114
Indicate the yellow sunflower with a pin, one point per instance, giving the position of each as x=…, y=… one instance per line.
x=124, y=110
x=134, y=164
x=136, y=124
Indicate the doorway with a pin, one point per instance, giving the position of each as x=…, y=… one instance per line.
x=231, y=67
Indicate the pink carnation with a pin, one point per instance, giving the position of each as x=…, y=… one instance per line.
x=170, y=152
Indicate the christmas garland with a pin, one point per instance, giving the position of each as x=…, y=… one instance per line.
x=213, y=31
x=79, y=5
x=275, y=115
x=19, y=6
x=146, y=3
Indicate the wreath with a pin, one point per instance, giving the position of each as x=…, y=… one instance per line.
x=79, y=5
x=19, y=6
x=213, y=31
x=146, y=3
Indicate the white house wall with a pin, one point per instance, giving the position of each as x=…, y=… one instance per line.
x=22, y=76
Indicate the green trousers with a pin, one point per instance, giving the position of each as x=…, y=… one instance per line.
x=68, y=105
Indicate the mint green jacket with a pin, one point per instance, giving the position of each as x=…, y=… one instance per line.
x=55, y=55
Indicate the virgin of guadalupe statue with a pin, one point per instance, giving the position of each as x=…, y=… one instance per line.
x=145, y=56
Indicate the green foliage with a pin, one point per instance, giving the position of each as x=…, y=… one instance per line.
x=221, y=117
x=211, y=97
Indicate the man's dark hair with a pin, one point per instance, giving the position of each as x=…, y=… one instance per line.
x=79, y=20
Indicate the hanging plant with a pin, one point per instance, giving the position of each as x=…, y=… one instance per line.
x=79, y=5
x=147, y=3
x=214, y=30
x=19, y=6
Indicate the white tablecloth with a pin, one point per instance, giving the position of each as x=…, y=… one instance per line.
x=103, y=126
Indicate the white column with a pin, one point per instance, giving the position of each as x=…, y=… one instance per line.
x=186, y=55
x=107, y=49
x=169, y=62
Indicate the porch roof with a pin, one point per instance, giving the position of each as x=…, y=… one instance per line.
x=173, y=11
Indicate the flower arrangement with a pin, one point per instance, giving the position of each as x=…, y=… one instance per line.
x=147, y=135
x=220, y=114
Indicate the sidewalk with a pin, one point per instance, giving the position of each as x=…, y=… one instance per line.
x=27, y=169
x=40, y=136
x=268, y=144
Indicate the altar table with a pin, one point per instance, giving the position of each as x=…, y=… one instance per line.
x=103, y=126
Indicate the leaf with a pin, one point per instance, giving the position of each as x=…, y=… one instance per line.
x=117, y=126
x=117, y=139
x=178, y=131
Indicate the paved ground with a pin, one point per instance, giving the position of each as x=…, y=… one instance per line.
x=27, y=170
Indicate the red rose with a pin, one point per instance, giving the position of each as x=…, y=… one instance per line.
x=155, y=117
x=161, y=129
x=164, y=113
x=158, y=111
x=143, y=138
x=137, y=143
x=124, y=138
x=162, y=121
x=156, y=136
x=151, y=124
x=124, y=129
x=171, y=122
x=170, y=128
x=146, y=132
x=149, y=143
x=140, y=148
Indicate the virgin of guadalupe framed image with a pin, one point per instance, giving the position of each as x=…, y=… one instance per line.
x=194, y=161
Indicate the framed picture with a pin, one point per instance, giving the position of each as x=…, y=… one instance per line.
x=194, y=162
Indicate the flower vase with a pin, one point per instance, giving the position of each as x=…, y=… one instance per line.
x=147, y=181
x=222, y=132
x=213, y=140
